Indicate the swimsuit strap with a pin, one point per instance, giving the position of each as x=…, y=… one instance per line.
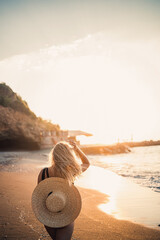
x=43, y=173
x=47, y=172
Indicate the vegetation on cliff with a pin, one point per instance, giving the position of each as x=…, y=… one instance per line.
x=20, y=128
x=10, y=99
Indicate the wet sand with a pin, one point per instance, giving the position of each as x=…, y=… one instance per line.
x=17, y=220
x=127, y=200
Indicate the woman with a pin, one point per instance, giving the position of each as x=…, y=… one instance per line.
x=64, y=165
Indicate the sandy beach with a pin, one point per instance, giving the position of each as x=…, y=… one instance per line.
x=17, y=220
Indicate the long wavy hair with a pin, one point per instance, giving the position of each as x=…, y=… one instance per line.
x=63, y=158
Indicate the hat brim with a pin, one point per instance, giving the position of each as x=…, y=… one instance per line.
x=72, y=207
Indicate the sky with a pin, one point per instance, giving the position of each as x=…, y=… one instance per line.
x=88, y=65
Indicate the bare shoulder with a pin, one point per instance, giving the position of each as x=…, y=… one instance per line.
x=84, y=166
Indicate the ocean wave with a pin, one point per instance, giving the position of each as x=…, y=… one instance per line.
x=141, y=165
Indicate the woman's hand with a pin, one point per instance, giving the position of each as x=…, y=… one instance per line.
x=73, y=144
x=85, y=162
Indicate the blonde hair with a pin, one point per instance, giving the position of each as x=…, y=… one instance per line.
x=64, y=160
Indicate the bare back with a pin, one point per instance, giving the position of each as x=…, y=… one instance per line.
x=51, y=173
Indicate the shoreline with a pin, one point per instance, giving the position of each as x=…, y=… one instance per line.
x=18, y=221
x=97, y=149
x=125, y=197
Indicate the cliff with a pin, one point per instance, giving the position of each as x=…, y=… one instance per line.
x=10, y=99
x=20, y=128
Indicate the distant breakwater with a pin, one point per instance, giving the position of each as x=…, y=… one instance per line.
x=124, y=147
x=105, y=149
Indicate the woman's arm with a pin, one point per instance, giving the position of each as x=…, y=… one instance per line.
x=85, y=162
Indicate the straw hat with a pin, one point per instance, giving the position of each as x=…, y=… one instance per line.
x=55, y=203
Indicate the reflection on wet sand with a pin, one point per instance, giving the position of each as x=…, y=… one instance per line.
x=127, y=200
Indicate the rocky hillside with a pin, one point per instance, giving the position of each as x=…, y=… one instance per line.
x=10, y=99
x=19, y=126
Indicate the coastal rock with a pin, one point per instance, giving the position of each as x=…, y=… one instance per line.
x=20, y=128
x=105, y=149
x=18, y=131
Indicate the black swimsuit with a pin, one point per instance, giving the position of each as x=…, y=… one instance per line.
x=45, y=170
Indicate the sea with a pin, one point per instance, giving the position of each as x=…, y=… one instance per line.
x=141, y=165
